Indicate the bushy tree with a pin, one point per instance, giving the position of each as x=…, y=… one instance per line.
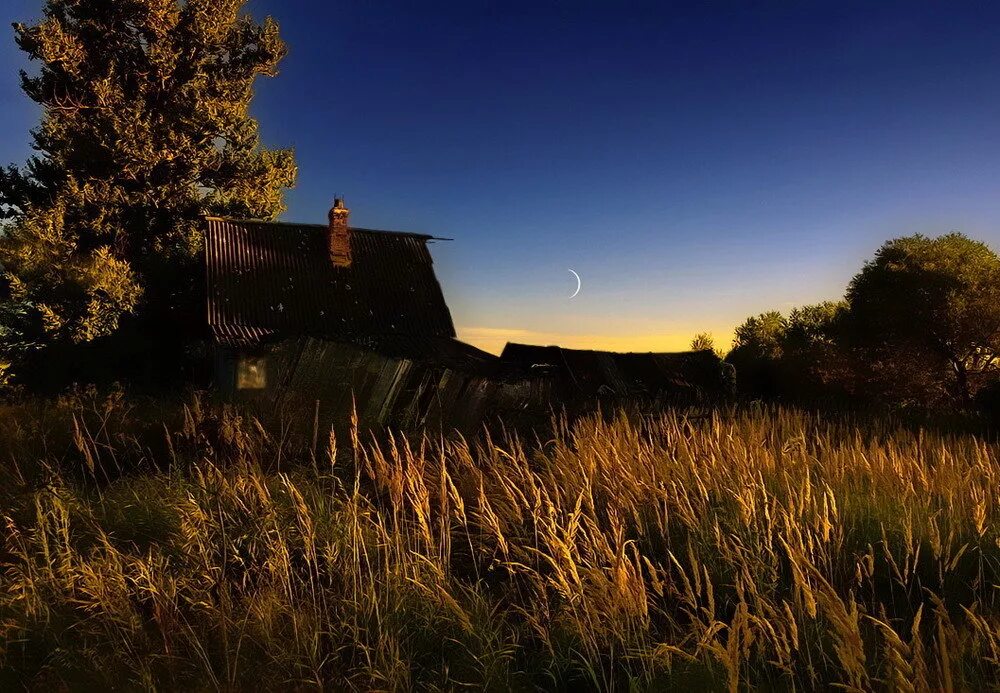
x=801, y=357
x=816, y=361
x=814, y=325
x=927, y=310
x=145, y=130
x=703, y=341
x=762, y=334
x=756, y=354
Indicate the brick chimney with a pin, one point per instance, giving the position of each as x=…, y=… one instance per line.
x=338, y=237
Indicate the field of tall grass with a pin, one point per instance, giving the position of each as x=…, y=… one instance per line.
x=199, y=547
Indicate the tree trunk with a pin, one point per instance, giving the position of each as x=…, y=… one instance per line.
x=962, y=381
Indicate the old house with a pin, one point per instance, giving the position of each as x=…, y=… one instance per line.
x=346, y=316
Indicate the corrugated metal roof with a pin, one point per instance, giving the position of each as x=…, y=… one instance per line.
x=239, y=335
x=268, y=279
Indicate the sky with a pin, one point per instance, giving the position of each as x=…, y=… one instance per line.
x=694, y=163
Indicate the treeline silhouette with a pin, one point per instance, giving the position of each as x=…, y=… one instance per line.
x=918, y=328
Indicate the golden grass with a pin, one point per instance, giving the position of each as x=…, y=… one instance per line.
x=748, y=549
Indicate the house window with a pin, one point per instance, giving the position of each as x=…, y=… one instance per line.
x=251, y=373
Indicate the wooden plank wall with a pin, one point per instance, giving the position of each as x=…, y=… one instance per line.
x=398, y=392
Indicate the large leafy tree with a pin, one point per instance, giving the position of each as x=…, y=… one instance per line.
x=928, y=310
x=145, y=130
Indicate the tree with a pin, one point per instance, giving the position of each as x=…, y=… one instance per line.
x=762, y=334
x=816, y=364
x=801, y=358
x=813, y=325
x=703, y=341
x=145, y=130
x=929, y=308
x=756, y=354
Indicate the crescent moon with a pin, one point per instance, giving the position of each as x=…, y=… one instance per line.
x=579, y=283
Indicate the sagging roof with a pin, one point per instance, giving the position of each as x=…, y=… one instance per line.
x=442, y=351
x=594, y=373
x=268, y=280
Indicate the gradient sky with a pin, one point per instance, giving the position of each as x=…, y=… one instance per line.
x=695, y=163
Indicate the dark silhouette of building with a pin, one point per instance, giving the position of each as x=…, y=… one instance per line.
x=355, y=319
x=689, y=377
x=347, y=316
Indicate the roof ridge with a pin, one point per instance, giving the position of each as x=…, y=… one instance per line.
x=263, y=222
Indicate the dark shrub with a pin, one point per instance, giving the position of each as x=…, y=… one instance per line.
x=988, y=402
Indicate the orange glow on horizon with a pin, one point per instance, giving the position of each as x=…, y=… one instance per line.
x=493, y=339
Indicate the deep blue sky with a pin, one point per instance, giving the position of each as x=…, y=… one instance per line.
x=694, y=163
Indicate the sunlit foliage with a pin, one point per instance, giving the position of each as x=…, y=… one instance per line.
x=145, y=129
x=703, y=341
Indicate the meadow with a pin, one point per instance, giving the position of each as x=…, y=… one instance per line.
x=201, y=547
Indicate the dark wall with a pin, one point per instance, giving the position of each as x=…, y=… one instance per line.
x=386, y=390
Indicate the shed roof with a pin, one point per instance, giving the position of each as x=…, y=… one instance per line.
x=267, y=279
